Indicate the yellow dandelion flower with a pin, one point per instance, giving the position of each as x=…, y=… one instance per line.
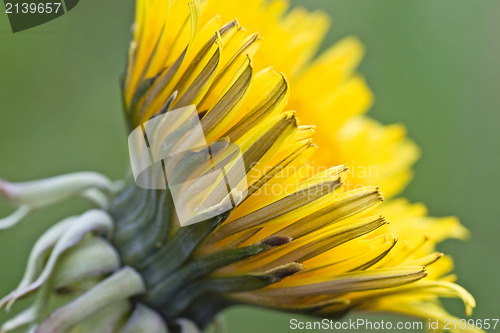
x=240, y=214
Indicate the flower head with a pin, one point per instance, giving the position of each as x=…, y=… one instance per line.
x=296, y=238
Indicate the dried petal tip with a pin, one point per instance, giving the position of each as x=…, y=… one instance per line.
x=274, y=241
x=283, y=271
x=380, y=195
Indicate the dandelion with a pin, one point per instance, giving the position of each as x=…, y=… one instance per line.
x=295, y=239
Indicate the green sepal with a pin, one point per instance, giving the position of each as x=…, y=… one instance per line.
x=202, y=266
x=225, y=285
x=177, y=250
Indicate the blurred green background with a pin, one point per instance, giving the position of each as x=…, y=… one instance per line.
x=432, y=64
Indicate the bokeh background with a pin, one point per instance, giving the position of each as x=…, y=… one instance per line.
x=433, y=65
